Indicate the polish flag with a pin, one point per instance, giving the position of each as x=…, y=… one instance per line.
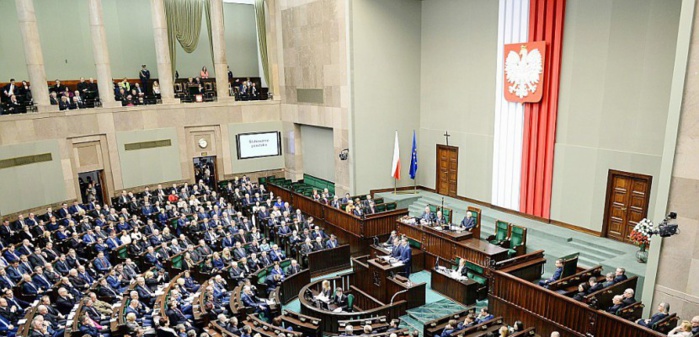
x=395, y=168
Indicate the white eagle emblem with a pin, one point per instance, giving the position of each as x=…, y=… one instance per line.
x=523, y=71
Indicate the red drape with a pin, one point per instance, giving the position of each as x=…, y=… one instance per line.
x=545, y=24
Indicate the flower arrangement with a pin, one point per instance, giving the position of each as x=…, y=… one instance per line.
x=640, y=235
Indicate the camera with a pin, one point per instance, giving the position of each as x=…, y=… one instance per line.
x=666, y=229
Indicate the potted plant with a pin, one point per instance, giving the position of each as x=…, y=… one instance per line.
x=640, y=235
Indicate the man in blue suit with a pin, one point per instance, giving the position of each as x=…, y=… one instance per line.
x=397, y=249
x=250, y=301
x=469, y=222
x=556, y=274
x=29, y=288
x=406, y=256
x=102, y=264
x=275, y=254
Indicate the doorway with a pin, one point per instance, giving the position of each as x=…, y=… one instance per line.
x=92, y=187
x=447, y=169
x=628, y=195
x=205, y=170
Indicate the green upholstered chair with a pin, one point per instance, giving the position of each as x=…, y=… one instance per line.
x=518, y=240
x=380, y=208
x=262, y=276
x=570, y=264
x=378, y=201
x=501, y=232
x=391, y=206
x=350, y=302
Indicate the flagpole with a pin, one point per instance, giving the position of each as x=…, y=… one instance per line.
x=395, y=186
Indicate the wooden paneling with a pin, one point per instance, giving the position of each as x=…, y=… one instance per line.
x=329, y=260
x=292, y=285
x=514, y=299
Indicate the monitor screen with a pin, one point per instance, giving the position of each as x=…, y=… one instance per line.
x=259, y=144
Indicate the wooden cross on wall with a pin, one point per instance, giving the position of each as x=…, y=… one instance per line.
x=447, y=135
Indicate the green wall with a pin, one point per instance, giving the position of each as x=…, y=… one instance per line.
x=459, y=45
x=241, y=39
x=64, y=30
x=318, y=152
x=256, y=164
x=32, y=185
x=616, y=72
x=385, y=47
x=129, y=30
x=149, y=166
x=11, y=47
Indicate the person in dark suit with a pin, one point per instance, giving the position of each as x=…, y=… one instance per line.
x=663, y=311
x=332, y=242
x=251, y=301
x=594, y=285
x=484, y=315
x=468, y=222
x=340, y=299
x=617, y=303
x=620, y=275
x=583, y=289
x=556, y=274
x=427, y=216
x=468, y=322
x=65, y=301
x=144, y=76
x=628, y=297
x=448, y=329
x=406, y=256
x=307, y=247
x=608, y=280
x=293, y=268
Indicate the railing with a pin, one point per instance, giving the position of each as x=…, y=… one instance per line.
x=517, y=299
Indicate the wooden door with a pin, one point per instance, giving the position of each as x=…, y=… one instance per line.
x=447, y=169
x=628, y=195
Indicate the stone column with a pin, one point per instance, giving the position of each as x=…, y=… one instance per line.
x=219, y=44
x=33, y=54
x=100, y=51
x=162, y=52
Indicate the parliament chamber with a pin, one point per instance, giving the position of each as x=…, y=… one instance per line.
x=542, y=158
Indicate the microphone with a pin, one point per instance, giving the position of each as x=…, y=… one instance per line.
x=376, y=240
x=436, y=263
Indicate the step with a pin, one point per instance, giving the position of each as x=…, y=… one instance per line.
x=592, y=250
x=406, y=321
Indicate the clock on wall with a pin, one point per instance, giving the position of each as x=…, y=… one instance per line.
x=203, y=143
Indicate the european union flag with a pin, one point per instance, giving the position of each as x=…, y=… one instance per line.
x=413, y=158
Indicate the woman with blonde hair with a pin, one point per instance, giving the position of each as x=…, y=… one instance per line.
x=682, y=330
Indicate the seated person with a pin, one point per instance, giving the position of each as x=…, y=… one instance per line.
x=663, y=311
x=608, y=280
x=682, y=330
x=448, y=329
x=620, y=275
x=594, y=285
x=427, y=215
x=439, y=219
x=340, y=299
x=251, y=301
x=469, y=222
x=484, y=316
x=468, y=322
x=556, y=274
x=583, y=289
x=628, y=297
x=617, y=303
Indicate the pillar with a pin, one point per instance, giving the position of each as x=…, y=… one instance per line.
x=100, y=51
x=162, y=52
x=33, y=53
x=219, y=46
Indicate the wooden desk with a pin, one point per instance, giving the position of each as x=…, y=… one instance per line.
x=378, y=274
x=370, y=307
x=414, y=295
x=292, y=285
x=327, y=261
x=418, y=256
x=465, y=292
x=446, y=245
x=356, y=231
